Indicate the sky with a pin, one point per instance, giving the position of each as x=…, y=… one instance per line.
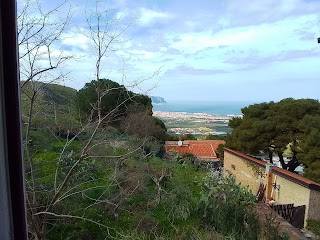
x=208, y=50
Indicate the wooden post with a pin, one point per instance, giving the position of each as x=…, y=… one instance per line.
x=268, y=180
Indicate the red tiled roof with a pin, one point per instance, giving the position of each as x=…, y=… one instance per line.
x=296, y=178
x=204, y=148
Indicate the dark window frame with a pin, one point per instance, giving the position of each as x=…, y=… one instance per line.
x=13, y=225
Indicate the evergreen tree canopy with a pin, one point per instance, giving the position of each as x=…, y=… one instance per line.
x=275, y=127
x=115, y=102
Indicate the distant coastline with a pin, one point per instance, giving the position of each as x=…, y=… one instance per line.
x=195, y=117
x=212, y=108
x=198, y=118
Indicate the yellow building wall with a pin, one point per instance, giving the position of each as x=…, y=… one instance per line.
x=244, y=171
x=314, y=205
x=291, y=192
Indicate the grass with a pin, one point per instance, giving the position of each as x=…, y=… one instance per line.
x=314, y=226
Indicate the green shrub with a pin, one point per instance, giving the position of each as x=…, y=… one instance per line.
x=228, y=207
x=314, y=226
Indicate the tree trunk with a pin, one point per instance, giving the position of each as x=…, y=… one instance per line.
x=270, y=156
x=283, y=164
x=293, y=163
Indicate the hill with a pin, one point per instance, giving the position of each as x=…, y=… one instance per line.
x=58, y=94
x=51, y=104
x=50, y=93
x=157, y=100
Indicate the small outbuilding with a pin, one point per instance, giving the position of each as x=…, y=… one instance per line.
x=202, y=149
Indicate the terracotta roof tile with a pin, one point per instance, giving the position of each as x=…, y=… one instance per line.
x=296, y=178
x=204, y=148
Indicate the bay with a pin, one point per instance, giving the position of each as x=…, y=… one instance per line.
x=214, y=108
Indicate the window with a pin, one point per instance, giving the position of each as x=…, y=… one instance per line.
x=12, y=200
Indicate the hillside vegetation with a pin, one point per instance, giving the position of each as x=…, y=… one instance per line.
x=104, y=182
x=53, y=105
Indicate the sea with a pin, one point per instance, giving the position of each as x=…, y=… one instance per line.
x=213, y=108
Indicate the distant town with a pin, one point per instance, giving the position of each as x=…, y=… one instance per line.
x=201, y=117
x=195, y=123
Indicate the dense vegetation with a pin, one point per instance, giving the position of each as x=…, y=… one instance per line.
x=118, y=187
x=286, y=128
x=115, y=100
x=95, y=167
x=53, y=105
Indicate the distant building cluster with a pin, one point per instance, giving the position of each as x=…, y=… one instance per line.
x=180, y=117
x=202, y=131
x=201, y=117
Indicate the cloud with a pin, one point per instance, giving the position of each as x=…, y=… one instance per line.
x=150, y=17
x=255, y=60
x=187, y=70
x=143, y=54
x=76, y=40
x=194, y=42
x=296, y=54
x=242, y=13
x=265, y=41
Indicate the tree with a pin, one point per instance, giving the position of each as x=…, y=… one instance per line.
x=115, y=100
x=62, y=171
x=215, y=137
x=220, y=153
x=311, y=147
x=275, y=128
x=160, y=123
x=190, y=136
x=142, y=124
x=105, y=32
x=41, y=60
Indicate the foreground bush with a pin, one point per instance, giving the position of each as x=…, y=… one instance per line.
x=228, y=207
x=131, y=194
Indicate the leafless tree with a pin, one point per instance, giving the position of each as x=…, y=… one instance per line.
x=158, y=178
x=39, y=33
x=104, y=33
x=41, y=62
x=142, y=124
x=41, y=59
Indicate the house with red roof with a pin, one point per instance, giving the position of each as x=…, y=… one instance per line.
x=202, y=149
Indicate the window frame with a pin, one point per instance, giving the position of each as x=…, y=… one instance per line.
x=12, y=199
